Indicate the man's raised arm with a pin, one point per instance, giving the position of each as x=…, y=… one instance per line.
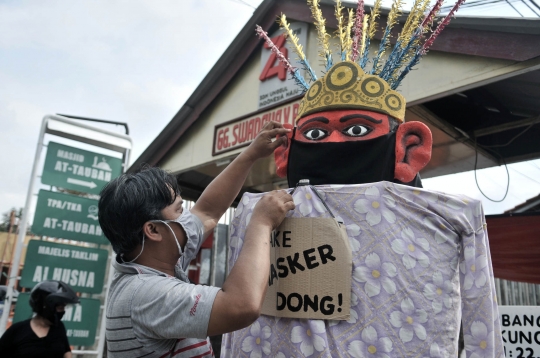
x=221, y=192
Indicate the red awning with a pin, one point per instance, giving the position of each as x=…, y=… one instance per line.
x=514, y=241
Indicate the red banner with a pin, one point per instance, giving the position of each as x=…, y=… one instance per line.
x=241, y=131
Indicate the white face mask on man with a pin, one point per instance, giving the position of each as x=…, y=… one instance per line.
x=166, y=222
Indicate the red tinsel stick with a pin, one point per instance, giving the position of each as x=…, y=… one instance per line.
x=358, y=23
x=441, y=26
x=263, y=35
x=432, y=13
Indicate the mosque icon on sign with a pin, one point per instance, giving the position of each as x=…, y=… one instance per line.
x=92, y=212
x=103, y=165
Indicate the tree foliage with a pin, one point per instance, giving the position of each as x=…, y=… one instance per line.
x=4, y=224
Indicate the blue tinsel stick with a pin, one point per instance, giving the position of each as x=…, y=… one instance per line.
x=381, y=49
x=414, y=61
x=300, y=80
x=307, y=67
x=392, y=61
x=396, y=62
x=329, y=61
x=365, y=54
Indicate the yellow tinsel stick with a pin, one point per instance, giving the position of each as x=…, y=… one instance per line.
x=292, y=37
x=373, y=19
x=340, y=30
x=395, y=11
x=320, y=21
x=413, y=20
x=364, y=34
x=348, y=38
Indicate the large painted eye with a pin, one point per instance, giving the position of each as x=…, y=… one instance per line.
x=357, y=130
x=315, y=134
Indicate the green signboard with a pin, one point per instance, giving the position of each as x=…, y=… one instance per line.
x=78, y=169
x=68, y=217
x=80, y=267
x=81, y=320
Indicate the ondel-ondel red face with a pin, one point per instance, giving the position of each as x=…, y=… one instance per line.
x=342, y=126
x=413, y=139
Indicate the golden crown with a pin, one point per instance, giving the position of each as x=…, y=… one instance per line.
x=346, y=86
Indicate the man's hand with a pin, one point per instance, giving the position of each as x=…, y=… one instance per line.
x=264, y=144
x=239, y=302
x=272, y=208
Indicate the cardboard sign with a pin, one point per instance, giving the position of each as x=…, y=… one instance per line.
x=310, y=270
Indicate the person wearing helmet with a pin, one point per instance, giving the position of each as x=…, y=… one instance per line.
x=44, y=335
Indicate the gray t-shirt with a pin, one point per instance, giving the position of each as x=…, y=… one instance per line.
x=152, y=314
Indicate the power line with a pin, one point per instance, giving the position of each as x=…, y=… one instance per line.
x=525, y=2
x=513, y=7
x=535, y=4
x=533, y=164
x=243, y=3
x=499, y=2
x=526, y=176
x=474, y=4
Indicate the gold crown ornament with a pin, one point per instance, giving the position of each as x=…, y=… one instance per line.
x=357, y=81
x=346, y=86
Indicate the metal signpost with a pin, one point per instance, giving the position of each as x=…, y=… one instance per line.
x=80, y=320
x=80, y=267
x=69, y=217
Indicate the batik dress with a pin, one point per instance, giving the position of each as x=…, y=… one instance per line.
x=421, y=266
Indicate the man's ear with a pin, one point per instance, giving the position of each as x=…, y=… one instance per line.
x=281, y=154
x=151, y=231
x=413, y=150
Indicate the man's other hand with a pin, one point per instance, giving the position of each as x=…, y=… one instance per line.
x=272, y=208
x=265, y=143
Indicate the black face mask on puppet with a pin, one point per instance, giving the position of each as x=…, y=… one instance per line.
x=352, y=162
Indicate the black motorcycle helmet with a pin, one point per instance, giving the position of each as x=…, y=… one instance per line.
x=46, y=295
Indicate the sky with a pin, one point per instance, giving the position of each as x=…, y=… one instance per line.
x=137, y=62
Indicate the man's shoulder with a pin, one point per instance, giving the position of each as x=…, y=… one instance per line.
x=139, y=287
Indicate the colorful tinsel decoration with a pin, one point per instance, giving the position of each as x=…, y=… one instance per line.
x=293, y=71
x=356, y=33
x=297, y=47
x=341, y=31
x=371, y=29
x=322, y=35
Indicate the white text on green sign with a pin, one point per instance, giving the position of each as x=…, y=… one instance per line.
x=78, y=169
x=80, y=267
x=68, y=217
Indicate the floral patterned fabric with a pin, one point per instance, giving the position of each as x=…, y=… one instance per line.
x=421, y=264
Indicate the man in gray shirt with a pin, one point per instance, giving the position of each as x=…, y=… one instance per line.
x=153, y=310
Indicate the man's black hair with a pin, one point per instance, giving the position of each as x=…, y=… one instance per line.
x=130, y=200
